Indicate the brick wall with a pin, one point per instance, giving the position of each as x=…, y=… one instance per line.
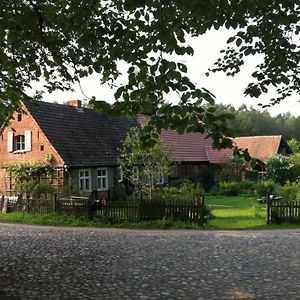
x=40, y=150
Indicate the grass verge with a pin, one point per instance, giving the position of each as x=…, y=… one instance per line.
x=72, y=221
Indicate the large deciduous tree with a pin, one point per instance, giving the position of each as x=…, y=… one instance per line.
x=61, y=41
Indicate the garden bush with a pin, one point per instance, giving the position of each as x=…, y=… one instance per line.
x=228, y=188
x=280, y=168
x=291, y=191
x=246, y=187
x=185, y=192
x=264, y=188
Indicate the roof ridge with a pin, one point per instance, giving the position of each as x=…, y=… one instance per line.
x=36, y=104
x=257, y=136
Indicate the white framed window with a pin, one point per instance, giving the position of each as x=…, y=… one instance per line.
x=120, y=174
x=135, y=173
x=160, y=180
x=19, y=143
x=102, y=179
x=85, y=180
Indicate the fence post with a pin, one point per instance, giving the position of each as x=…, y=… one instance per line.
x=55, y=203
x=90, y=211
x=268, y=220
x=4, y=204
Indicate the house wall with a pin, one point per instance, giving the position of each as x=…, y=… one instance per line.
x=185, y=170
x=41, y=149
x=74, y=181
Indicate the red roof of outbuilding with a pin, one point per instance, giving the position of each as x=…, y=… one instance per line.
x=261, y=147
x=189, y=147
x=195, y=147
x=216, y=156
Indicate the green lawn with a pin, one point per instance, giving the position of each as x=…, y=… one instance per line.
x=230, y=201
x=239, y=213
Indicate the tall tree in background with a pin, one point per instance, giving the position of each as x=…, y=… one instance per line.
x=61, y=41
x=249, y=121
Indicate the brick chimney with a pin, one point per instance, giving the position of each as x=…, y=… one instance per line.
x=75, y=103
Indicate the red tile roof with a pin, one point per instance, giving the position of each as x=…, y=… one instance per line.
x=216, y=156
x=189, y=147
x=261, y=147
x=194, y=147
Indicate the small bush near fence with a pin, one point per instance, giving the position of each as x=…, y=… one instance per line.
x=264, y=188
x=233, y=188
x=291, y=191
x=115, y=211
x=229, y=188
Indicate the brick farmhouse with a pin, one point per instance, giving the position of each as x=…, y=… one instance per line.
x=83, y=146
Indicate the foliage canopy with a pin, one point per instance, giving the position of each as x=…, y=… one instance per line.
x=62, y=41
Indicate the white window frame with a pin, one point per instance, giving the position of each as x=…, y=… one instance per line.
x=22, y=144
x=160, y=180
x=120, y=174
x=135, y=173
x=28, y=140
x=84, y=178
x=10, y=141
x=100, y=177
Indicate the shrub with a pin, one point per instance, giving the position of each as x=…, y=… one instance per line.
x=229, y=188
x=291, y=191
x=233, y=169
x=36, y=188
x=246, y=186
x=280, y=168
x=265, y=188
x=185, y=192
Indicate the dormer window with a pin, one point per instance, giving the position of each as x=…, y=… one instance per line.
x=19, y=143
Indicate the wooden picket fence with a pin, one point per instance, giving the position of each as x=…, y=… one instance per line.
x=79, y=206
x=283, y=212
x=114, y=211
x=146, y=210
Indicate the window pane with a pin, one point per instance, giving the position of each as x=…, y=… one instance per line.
x=87, y=184
x=86, y=173
x=81, y=173
x=104, y=182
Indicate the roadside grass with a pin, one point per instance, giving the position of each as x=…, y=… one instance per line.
x=73, y=221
